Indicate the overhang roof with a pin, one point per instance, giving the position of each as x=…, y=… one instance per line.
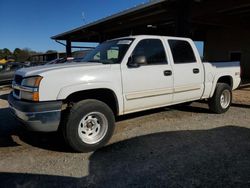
x=107, y=19
x=159, y=17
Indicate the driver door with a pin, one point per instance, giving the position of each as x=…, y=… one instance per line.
x=148, y=85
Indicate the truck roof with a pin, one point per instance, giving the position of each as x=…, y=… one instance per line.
x=150, y=36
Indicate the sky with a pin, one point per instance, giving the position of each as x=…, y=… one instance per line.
x=31, y=23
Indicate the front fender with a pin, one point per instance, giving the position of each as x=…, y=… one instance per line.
x=68, y=90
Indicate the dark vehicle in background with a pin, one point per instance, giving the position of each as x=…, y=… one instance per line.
x=56, y=61
x=64, y=60
x=8, y=70
x=77, y=57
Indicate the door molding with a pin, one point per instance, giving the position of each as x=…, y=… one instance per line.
x=149, y=93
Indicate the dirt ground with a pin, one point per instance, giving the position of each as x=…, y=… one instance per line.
x=179, y=146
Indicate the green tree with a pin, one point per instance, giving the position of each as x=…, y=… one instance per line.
x=17, y=53
x=5, y=53
x=1, y=54
x=23, y=55
x=51, y=51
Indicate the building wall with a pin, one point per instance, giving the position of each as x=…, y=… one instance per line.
x=219, y=43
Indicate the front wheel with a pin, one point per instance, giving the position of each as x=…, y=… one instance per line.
x=222, y=99
x=90, y=125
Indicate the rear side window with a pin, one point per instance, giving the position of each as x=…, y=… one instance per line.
x=182, y=51
x=152, y=49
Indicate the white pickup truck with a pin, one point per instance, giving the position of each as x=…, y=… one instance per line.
x=120, y=76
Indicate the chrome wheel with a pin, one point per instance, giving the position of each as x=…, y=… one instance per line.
x=225, y=99
x=93, y=127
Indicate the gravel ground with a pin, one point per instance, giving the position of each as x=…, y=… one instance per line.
x=173, y=147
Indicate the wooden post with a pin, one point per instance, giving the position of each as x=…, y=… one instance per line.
x=68, y=48
x=183, y=18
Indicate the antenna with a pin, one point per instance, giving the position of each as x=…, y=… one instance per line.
x=84, y=18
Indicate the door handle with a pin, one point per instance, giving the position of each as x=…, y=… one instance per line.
x=167, y=73
x=196, y=71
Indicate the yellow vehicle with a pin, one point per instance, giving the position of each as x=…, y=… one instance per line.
x=4, y=61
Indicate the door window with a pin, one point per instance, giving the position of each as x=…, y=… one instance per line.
x=182, y=51
x=113, y=53
x=152, y=50
x=97, y=56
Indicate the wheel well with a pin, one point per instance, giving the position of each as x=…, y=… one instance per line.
x=105, y=95
x=227, y=80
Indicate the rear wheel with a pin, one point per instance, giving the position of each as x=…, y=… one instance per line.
x=222, y=99
x=89, y=126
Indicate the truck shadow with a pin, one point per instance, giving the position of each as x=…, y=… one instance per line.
x=207, y=158
x=10, y=127
x=180, y=107
x=240, y=105
x=4, y=97
x=245, y=86
x=142, y=113
x=191, y=108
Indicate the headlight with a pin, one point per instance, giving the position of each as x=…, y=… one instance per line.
x=30, y=88
x=32, y=81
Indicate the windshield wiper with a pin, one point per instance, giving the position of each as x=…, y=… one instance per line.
x=94, y=61
x=107, y=61
x=101, y=61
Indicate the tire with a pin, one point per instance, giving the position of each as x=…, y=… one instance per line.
x=89, y=126
x=222, y=99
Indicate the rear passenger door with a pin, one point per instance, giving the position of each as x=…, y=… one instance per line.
x=151, y=84
x=187, y=70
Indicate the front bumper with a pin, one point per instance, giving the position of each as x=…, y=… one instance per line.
x=37, y=116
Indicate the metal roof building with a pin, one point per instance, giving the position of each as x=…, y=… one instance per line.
x=223, y=25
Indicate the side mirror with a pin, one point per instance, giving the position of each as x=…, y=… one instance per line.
x=137, y=61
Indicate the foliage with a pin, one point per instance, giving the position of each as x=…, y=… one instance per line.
x=5, y=53
x=20, y=55
x=51, y=51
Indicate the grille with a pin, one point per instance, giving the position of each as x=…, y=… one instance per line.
x=18, y=79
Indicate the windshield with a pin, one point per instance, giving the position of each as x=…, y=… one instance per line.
x=110, y=52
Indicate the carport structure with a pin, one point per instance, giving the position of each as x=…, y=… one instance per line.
x=223, y=26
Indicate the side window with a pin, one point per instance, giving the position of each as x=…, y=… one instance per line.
x=182, y=51
x=113, y=53
x=109, y=54
x=97, y=56
x=152, y=50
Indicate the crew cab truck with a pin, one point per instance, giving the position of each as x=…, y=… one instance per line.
x=120, y=76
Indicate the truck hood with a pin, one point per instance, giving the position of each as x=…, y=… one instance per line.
x=45, y=69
